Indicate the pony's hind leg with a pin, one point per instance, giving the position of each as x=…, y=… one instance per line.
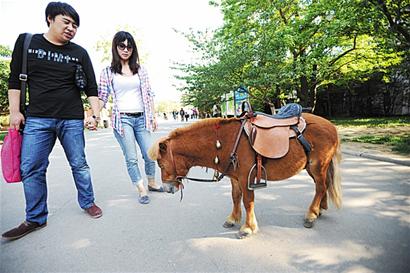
x=323, y=204
x=320, y=199
x=236, y=215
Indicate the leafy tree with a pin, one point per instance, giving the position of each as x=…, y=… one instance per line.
x=280, y=48
x=5, y=55
x=394, y=18
x=104, y=45
x=167, y=106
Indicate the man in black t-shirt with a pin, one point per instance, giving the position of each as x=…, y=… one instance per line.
x=55, y=111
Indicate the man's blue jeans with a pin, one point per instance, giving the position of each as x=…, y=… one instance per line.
x=135, y=131
x=39, y=137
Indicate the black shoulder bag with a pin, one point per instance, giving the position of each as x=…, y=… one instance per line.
x=23, y=75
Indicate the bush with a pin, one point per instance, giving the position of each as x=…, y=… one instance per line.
x=4, y=121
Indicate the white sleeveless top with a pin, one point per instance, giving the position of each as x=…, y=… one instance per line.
x=128, y=93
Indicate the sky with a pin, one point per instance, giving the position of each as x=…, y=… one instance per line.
x=153, y=20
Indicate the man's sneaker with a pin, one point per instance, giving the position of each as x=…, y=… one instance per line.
x=22, y=230
x=94, y=211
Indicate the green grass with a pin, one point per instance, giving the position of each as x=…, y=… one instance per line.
x=2, y=135
x=372, y=122
x=403, y=146
x=399, y=142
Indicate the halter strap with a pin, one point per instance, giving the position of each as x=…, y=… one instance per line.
x=233, y=159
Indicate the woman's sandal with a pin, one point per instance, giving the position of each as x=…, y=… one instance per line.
x=143, y=199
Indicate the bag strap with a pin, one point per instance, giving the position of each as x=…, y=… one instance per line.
x=23, y=75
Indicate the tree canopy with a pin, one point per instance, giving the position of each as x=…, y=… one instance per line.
x=290, y=48
x=5, y=55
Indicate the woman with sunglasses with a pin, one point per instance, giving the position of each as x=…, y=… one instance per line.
x=133, y=116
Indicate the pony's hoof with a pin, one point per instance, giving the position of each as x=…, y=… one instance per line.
x=228, y=225
x=321, y=211
x=308, y=223
x=242, y=235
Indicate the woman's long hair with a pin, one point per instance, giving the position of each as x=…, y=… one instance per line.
x=133, y=61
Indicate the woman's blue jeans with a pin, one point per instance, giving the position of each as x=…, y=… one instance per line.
x=135, y=132
x=39, y=137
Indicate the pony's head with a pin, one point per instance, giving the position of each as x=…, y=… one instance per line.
x=173, y=165
x=182, y=148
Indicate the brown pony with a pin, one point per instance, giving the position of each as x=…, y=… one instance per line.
x=194, y=145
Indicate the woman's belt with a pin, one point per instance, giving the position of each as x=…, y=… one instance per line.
x=138, y=114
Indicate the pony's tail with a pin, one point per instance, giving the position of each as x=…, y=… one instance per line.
x=333, y=179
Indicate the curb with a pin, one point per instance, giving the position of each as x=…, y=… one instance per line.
x=377, y=157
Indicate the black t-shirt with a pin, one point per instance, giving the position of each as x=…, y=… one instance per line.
x=51, y=73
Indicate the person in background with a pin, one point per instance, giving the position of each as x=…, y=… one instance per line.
x=133, y=116
x=216, y=111
x=187, y=115
x=55, y=111
x=182, y=114
x=174, y=114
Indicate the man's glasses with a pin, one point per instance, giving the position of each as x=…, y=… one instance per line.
x=123, y=47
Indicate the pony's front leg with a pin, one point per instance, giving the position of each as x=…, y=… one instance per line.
x=236, y=215
x=251, y=225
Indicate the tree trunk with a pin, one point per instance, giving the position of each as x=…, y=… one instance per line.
x=313, y=88
x=329, y=104
x=303, y=92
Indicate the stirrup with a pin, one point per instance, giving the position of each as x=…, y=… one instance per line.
x=261, y=184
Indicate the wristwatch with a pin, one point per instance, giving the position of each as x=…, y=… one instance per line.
x=97, y=119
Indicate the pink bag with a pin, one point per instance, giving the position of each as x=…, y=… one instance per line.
x=10, y=156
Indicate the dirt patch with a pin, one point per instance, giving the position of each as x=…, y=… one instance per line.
x=348, y=133
x=351, y=132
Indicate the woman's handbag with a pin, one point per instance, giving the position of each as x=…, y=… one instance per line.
x=10, y=156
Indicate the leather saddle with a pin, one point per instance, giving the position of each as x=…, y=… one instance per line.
x=269, y=134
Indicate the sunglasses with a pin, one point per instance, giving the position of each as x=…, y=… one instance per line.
x=123, y=47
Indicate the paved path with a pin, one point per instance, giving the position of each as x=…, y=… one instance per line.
x=369, y=234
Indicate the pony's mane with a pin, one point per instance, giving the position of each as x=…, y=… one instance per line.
x=199, y=125
x=154, y=152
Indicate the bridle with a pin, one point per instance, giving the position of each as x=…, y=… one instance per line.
x=233, y=160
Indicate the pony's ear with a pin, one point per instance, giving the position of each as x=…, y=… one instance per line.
x=156, y=149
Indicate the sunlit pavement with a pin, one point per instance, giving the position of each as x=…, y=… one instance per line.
x=369, y=234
